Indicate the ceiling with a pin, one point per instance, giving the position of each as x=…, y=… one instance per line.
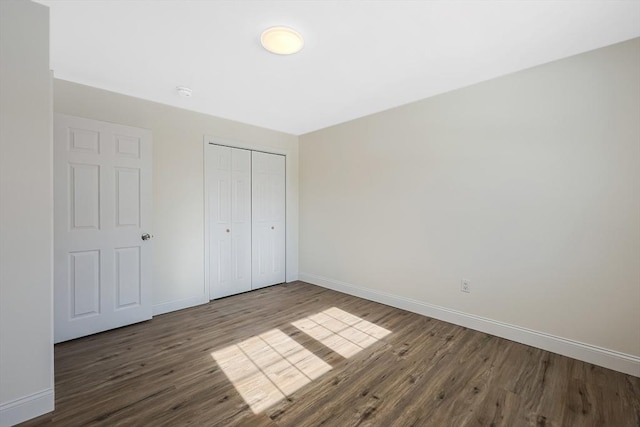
x=360, y=57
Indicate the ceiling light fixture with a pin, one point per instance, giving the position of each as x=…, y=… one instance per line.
x=282, y=40
x=184, y=91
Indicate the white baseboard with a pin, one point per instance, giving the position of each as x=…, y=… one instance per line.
x=617, y=361
x=26, y=408
x=167, y=307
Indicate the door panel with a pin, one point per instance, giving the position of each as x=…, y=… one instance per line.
x=84, y=140
x=84, y=196
x=102, y=206
x=84, y=282
x=241, y=217
x=268, y=219
x=128, y=284
x=127, y=197
x=228, y=174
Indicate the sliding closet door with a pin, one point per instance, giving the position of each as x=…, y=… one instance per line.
x=268, y=218
x=228, y=198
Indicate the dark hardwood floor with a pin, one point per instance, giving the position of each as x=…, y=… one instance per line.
x=177, y=369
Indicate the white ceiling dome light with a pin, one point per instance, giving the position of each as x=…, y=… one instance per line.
x=282, y=40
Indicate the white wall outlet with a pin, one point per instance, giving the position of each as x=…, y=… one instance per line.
x=465, y=286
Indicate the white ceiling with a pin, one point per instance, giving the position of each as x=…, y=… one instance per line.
x=360, y=57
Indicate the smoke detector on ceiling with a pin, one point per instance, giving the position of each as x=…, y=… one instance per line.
x=184, y=91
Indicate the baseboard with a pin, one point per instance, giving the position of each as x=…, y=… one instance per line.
x=167, y=307
x=610, y=359
x=26, y=408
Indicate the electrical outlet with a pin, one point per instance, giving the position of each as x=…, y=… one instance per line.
x=465, y=286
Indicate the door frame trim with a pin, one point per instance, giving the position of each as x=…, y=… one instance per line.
x=290, y=234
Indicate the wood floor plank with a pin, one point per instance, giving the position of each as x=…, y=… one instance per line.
x=423, y=372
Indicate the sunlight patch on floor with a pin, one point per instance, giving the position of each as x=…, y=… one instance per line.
x=266, y=368
x=341, y=331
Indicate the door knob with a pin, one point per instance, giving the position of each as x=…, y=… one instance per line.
x=146, y=236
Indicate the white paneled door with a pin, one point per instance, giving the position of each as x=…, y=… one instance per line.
x=244, y=219
x=228, y=198
x=268, y=219
x=102, y=226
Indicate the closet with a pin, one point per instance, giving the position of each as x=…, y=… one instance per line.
x=244, y=219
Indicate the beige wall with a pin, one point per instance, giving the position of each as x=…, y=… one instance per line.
x=26, y=215
x=178, y=181
x=527, y=185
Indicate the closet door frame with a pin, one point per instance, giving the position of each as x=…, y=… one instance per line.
x=289, y=274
